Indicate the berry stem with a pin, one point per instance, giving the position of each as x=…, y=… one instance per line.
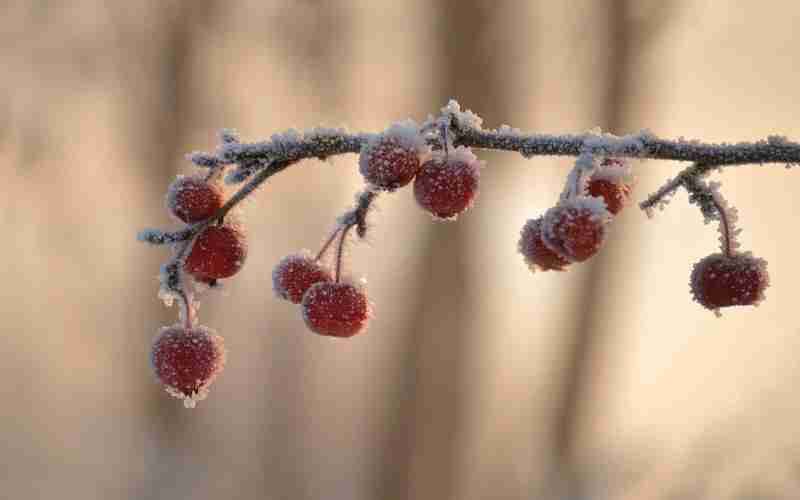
x=327, y=243
x=187, y=310
x=340, y=252
x=725, y=226
x=445, y=139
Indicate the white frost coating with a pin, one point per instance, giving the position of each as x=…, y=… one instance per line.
x=508, y=131
x=661, y=198
x=465, y=118
x=612, y=144
x=728, y=232
x=406, y=135
x=614, y=170
x=228, y=136
x=465, y=155
x=322, y=132
x=150, y=235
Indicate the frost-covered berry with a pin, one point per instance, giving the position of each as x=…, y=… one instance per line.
x=191, y=199
x=720, y=280
x=295, y=274
x=186, y=361
x=537, y=254
x=615, y=195
x=576, y=227
x=392, y=159
x=218, y=252
x=447, y=185
x=612, y=182
x=336, y=309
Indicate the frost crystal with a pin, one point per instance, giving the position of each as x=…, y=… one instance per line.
x=463, y=118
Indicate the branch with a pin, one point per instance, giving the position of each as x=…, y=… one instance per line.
x=261, y=160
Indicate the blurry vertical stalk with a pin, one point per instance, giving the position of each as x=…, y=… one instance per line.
x=320, y=54
x=625, y=41
x=166, y=124
x=421, y=454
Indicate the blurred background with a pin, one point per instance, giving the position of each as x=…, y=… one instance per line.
x=476, y=379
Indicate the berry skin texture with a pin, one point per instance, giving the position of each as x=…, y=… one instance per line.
x=615, y=194
x=447, y=186
x=186, y=361
x=295, y=274
x=336, y=309
x=191, y=199
x=218, y=252
x=537, y=254
x=576, y=228
x=720, y=280
x=389, y=162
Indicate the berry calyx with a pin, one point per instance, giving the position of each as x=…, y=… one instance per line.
x=192, y=199
x=295, y=274
x=392, y=159
x=218, y=252
x=575, y=229
x=720, y=280
x=538, y=255
x=186, y=361
x=336, y=309
x=447, y=184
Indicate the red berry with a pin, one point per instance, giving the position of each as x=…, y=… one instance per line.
x=536, y=253
x=615, y=194
x=335, y=309
x=720, y=280
x=218, y=252
x=447, y=185
x=576, y=228
x=391, y=160
x=612, y=182
x=186, y=361
x=191, y=199
x=295, y=274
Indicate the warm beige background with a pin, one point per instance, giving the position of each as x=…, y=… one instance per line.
x=457, y=390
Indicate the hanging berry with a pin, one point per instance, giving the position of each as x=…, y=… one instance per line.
x=295, y=274
x=218, y=252
x=537, y=254
x=447, y=184
x=186, y=361
x=391, y=160
x=336, y=309
x=575, y=229
x=720, y=280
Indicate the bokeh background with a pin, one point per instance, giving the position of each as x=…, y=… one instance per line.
x=476, y=378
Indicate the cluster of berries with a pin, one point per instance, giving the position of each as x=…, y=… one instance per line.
x=575, y=229
x=445, y=185
x=186, y=357
x=445, y=180
x=331, y=307
x=219, y=251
